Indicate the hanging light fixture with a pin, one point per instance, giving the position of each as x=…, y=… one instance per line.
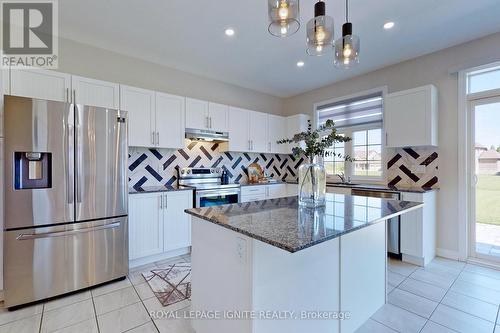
x=319, y=31
x=347, y=47
x=283, y=17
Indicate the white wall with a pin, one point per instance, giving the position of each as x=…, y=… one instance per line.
x=85, y=60
x=433, y=68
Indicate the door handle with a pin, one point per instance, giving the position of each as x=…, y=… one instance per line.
x=67, y=233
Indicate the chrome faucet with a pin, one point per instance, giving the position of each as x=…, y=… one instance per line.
x=341, y=176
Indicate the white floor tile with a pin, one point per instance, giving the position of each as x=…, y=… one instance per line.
x=480, y=280
x=449, y=263
x=87, y=326
x=441, y=280
x=135, y=275
x=432, y=327
x=399, y=319
x=152, y=304
x=394, y=279
x=67, y=300
x=400, y=267
x=67, y=315
x=411, y=302
x=372, y=326
x=423, y=289
x=471, y=305
x=123, y=319
x=483, y=270
x=146, y=328
x=479, y=292
x=170, y=261
x=181, y=324
x=460, y=321
x=144, y=291
x=110, y=287
x=115, y=300
x=7, y=316
x=26, y=325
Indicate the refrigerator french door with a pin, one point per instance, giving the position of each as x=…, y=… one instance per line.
x=65, y=220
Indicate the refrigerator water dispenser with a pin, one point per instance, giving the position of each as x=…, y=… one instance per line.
x=32, y=170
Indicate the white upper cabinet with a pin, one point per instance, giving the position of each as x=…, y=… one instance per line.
x=140, y=104
x=206, y=115
x=170, y=114
x=95, y=92
x=258, y=132
x=296, y=124
x=277, y=131
x=218, y=117
x=238, y=131
x=40, y=84
x=411, y=117
x=196, y=114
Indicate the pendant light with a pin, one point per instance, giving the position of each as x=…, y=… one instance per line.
x=319, y=31
x=283, y=17
x=347, y=47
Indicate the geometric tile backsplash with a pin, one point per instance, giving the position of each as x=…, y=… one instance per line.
x=403, y=164
x=152, y=167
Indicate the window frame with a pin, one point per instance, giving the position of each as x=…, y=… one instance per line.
x=348, y=147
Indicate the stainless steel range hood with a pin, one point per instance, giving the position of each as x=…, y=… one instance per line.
x=206, y=135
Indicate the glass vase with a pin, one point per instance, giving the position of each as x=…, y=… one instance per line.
x=312, y=183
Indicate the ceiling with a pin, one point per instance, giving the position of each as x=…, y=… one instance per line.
x=189, y=36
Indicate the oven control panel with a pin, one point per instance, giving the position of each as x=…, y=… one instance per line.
x=200, y=172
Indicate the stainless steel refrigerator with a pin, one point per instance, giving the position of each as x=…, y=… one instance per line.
x=65, y=220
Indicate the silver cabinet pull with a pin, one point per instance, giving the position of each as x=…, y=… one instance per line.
x=166, y=202
x=67, y=95
x=386, y=136
x=249, y=147
x=157, y=138
x=269, y=146
x=251, y=144
x=161, y=201
x=207, y=121
x=67, y=233
x=210, y=122
x=153, y=138
x=74, y=96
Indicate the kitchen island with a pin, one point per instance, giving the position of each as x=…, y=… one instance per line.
x=271, y=266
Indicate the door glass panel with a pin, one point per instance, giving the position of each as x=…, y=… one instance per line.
x=487, y=171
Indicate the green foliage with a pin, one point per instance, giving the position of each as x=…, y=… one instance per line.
x=318, y=142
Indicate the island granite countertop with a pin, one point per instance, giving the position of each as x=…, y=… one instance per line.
x=282, y=223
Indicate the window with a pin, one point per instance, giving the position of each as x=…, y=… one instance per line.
x=360, y=119
x=483, y=80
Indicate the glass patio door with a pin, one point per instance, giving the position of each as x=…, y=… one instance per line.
x=485, y=178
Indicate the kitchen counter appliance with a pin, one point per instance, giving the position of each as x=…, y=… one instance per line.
x=393, y=225
x=65, y=197
x=209, y=189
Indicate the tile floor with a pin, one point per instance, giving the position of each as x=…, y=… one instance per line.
x=445, y=296
x=122, y=306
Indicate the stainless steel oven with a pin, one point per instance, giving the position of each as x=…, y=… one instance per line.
x=209, y=189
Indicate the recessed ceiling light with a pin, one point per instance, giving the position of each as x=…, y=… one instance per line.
x=300, y=63
x=388, y=25
x=229, y=32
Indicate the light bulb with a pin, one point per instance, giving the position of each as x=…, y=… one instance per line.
x=320, y=33
x=283, y=10
x=283, y=30
x=346, y=61
x=347, y=51
x=319, y=48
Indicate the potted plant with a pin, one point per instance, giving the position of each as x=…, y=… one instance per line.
x=312, y=175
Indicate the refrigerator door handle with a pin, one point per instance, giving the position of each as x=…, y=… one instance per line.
x=70, y=133
x=67, y=233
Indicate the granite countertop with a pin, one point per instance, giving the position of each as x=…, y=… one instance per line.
x=281, y=223
x=377, y=187
x=281, y=181
x=160, y=188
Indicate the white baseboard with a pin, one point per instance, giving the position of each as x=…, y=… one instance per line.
x=158, y=257
x=449, y=254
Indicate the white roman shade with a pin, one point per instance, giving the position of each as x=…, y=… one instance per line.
x=353, y=112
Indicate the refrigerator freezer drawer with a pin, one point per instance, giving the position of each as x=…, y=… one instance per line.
x=46, y=262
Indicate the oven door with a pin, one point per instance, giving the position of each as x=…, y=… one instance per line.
x=208, y=198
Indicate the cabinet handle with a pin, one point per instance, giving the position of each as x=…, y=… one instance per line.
x=251, y=144
x=210, y=121
x=269, y=146
x=74, y=96
x=157, y=138
x=207, y=122
x=386, y=136
x=67, y=95
x=166, y=202
x=153, y=137
x=161, y=201
x=249, y=148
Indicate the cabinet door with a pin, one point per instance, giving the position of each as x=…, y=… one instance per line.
x=41, y=84
x=145, y=225
x=177, y=224
x=258, y=131
x=170, y=115
x=140, y=104
x=218, y=114
x=292, y=190
x=277, y=131
x=238, y=130
x=411, y=227
x=409, y=117
x=276, y=191
x=196, y=114
x=95, y=92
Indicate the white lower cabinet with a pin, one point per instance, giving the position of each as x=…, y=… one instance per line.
x=418, y=229
x=158, y=226
x=292, y=190
x=263, y=192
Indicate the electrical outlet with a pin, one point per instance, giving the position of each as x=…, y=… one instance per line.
x=241, y=250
